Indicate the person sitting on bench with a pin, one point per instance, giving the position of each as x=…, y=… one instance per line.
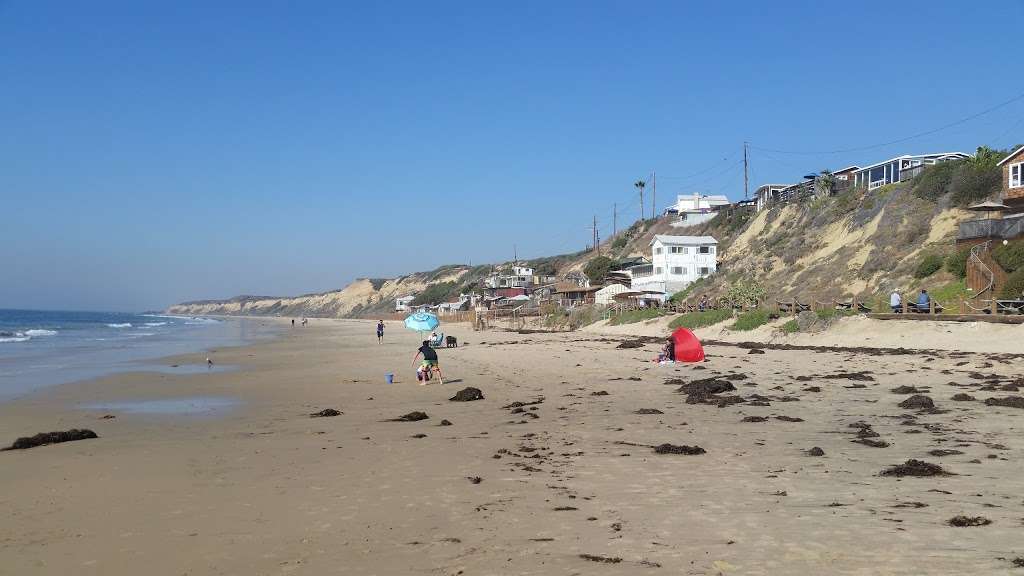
x=923, y=302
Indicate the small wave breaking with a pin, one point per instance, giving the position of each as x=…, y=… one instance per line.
x=123, y=325
x=40, y=332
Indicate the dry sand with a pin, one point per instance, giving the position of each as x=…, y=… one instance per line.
x=265, y=489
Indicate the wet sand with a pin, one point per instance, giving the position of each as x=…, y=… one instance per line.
x=555, y=471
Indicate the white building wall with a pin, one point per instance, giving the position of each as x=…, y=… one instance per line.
x=674, y=270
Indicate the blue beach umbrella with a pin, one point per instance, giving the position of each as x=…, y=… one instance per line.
x=422, y=322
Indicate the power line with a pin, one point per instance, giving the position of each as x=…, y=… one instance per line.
x=899, y=140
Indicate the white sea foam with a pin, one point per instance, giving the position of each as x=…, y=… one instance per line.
x=125, y=325
x=197, y=321
x=156, y=323
x=40, y=332
x=14, y=337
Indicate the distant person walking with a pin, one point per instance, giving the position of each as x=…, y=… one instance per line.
x=293, y=322
x=209, y=363
x=896, y=302
x=429, y=364
x=923, y=301
x=380, y=331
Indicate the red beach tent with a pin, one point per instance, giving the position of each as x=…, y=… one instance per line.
x=688, y=348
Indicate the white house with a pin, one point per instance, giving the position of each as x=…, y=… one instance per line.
x=521, y=277
x=676, y=261
x=403, y=304
x=696, y=208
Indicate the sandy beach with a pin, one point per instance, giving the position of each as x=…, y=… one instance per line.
x=553, y=472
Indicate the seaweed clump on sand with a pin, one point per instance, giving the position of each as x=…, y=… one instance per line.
x=705, y=391
x=411, y=417
x=45, y=438
x=467, y=395
x=648, y=411
x=1009, y=401
x=602, y=559
x=919, y=401
x=913, y=467
x=673, y=449
x=816, y=451
x=968, y=521
x=961, y=397
x=325, y=413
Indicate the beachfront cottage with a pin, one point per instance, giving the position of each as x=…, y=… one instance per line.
x=569, y=294
x=1013, y=181
x=768, y=194
x=900, y=168
x=403, y=304
x=695, y=208
x=676, y=261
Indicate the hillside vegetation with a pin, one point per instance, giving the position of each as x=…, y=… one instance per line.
x=856, y=243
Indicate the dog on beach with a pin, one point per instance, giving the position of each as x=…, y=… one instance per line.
x=451, y=342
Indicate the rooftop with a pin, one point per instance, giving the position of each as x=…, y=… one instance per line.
x=935, y=155
x=683, y=240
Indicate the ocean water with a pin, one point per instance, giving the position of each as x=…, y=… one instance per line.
x=45, y=348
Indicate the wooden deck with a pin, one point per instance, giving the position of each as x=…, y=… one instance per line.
x=993, y=318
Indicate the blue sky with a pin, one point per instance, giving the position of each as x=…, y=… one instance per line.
x=154, y=153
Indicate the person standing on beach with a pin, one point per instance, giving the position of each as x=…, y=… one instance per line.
x=293, y=322
x=380, y=331
x=429, y=363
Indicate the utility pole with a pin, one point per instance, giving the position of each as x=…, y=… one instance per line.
x=596, y=247
x=615, y=219
x=654, y=194
x=515, y=256
x=746, y=178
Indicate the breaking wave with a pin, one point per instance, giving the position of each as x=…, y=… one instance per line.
x=40, y=332
x=124, y=325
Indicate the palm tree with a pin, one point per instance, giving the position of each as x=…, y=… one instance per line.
x=825, y=183
x=639, y=185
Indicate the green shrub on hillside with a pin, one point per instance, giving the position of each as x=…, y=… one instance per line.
x=972, y=183
x=598, y=268
x=745, y=292
x=933, y=182
x=693, y=320
x=435, y=294
x=966, y=181
x=683, y=294
x=956, y=263
x=619, y=242
x=929, y=264
x=790, y=327
x=633, y=316
x=949, y=295
x=751, y=319
x=1010, y=256
x=1014, y=287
